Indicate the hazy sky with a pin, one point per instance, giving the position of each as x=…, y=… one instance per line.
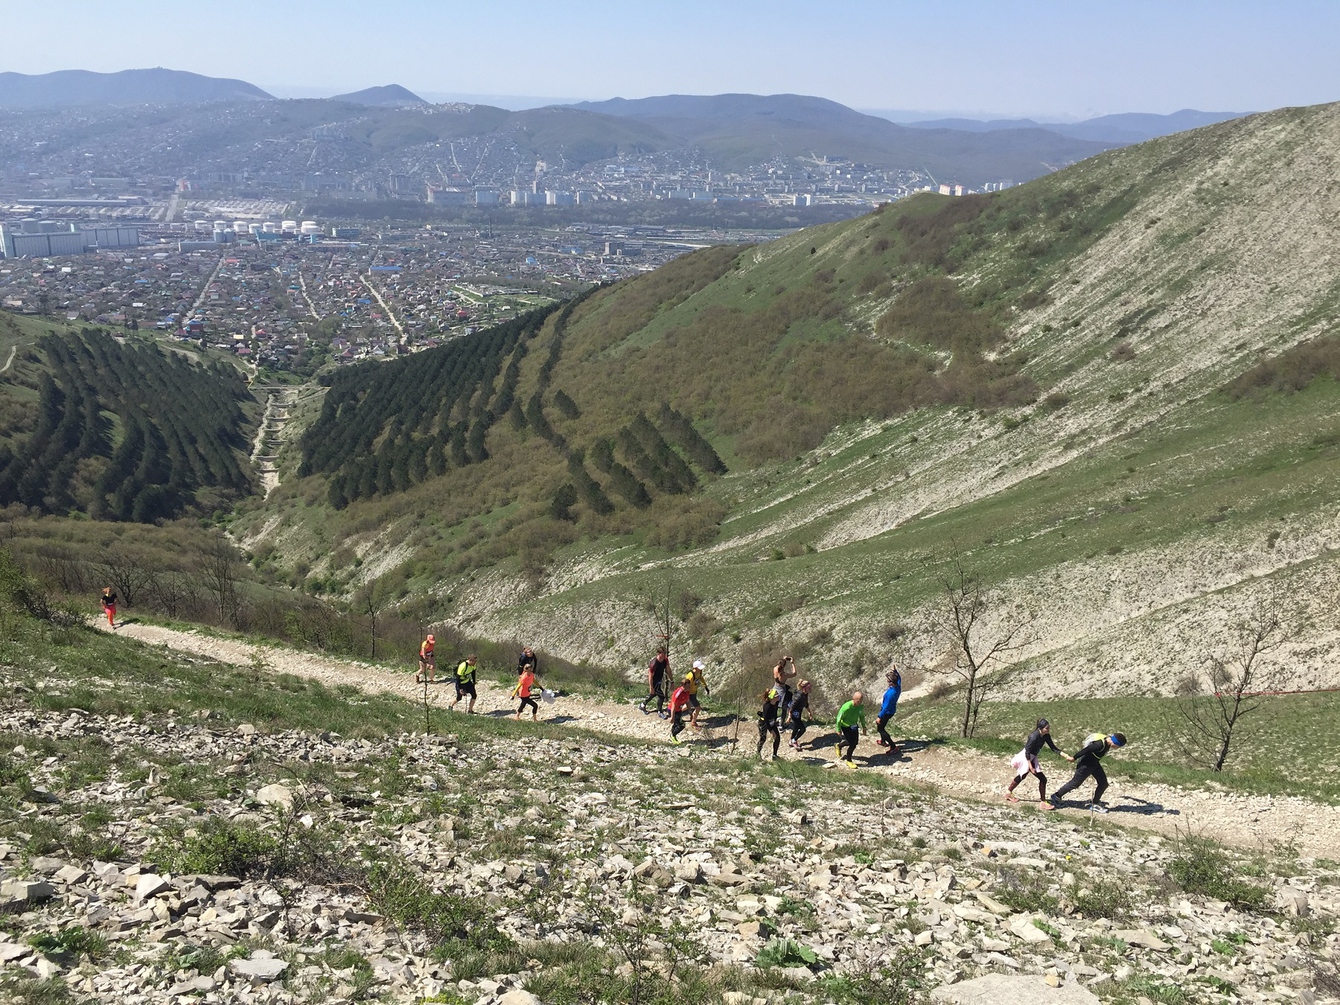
x=1067, y=59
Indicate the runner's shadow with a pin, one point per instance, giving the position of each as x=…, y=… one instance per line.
x=561, y=719
x=1144, y=807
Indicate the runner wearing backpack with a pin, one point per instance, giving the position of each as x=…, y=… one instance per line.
x=1087, y=765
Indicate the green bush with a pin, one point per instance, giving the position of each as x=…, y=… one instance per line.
x=1101, y=899
x=451, y=922
x=786, y=953
x=1204, y=869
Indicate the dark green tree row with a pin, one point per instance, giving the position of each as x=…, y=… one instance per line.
x=386, y=426
x=648, y=452
x=181, y=429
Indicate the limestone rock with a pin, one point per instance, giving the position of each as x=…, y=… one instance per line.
x=1010, y=989
x=276, y=795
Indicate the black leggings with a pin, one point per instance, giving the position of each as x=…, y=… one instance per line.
x=1086, y=768
x=881, y=724
x=1042, y=783
x=766, y=726
x=677, y=722
x=798, y=727
x=658, y=692
x=851, y=736
x=534, y=706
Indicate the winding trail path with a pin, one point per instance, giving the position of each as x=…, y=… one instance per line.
x=13, y=351
x=1259, y=822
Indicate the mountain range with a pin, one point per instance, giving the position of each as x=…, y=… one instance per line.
x=157, y=86
x=731, y=130
x=1126, y=127
x=740, y=129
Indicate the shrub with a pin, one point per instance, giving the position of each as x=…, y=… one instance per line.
x=1292, y=370
x=786, y=953
x=1203, y=868
x=450, y=921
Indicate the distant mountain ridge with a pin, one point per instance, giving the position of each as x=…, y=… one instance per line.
x=742, y=129
x=385, y=96
x=156, y=86
x=1122, y=128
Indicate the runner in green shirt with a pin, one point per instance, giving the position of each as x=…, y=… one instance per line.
x=851, y=724
x=465, y=682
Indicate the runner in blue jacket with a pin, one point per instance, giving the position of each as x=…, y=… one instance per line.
x=887, y=709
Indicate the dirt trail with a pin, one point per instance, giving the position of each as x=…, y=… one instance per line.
x=1259, y=822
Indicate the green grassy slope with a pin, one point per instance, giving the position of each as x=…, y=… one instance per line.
x=1034, y=378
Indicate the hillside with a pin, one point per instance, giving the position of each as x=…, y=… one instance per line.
x=1035, y=378
x=741, y=129
x=1121, y=128
x=116, y=428
x=157, y=86
x=388, y=94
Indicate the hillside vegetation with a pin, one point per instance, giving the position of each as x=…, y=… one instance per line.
x=1070, y=384
x=119, y=431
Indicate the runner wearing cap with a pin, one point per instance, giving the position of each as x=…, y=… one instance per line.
x=465, y=682
x=693, y=681
x=1025, y=762
x=427, y=662
x=1087, y=759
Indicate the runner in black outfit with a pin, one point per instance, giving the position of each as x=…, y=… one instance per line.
x=800, y=706
x=658, y=672
x=1025, y=762
x=767, y=721
x=1086, y=765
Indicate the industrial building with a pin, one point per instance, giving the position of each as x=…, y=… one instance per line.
x=45, y=239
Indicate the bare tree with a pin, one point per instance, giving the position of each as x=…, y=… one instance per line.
x=172, y=592
x=1207, y=716
x=127, y=572
x=371, y=599
x=975, y=650
x=219, y=571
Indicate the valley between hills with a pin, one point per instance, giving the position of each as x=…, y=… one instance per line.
x=1104, y=400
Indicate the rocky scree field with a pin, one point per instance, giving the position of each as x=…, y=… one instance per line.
x=179, y=830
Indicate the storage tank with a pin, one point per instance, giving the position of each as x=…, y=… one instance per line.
x=220, y=224
x=202, y=226
x=269, y=227
x=239, y=226
x=289, y=226
x=222, y=235
x=310, y=227
x=253, y=229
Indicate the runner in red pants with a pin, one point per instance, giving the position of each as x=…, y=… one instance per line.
x=109, y=606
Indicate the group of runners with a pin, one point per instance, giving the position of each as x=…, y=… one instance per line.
x=786, y=704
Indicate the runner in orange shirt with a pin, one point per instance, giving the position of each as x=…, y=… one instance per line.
x=427, y=662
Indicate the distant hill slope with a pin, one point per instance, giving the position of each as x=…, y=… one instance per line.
x=117, y=429
x=740, y=129
x=155, y=86
x=1124, y=128
x=1113, y=390
x=388, y=95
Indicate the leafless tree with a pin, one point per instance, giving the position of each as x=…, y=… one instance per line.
x=172, y=592
x=977, y=650
x=219, y=571
x=127, y=572
x=372, y=598
x=1231, y=685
